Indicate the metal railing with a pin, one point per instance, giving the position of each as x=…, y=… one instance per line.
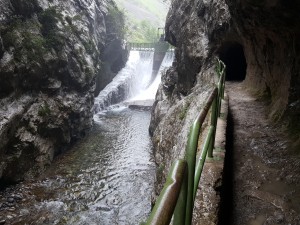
x=178, y=194
x=157, y=46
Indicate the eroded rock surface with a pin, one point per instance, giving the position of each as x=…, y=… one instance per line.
x=50, y=55
x=196, y=33
x=264, y=31
x=265, y=179
x=268, y=32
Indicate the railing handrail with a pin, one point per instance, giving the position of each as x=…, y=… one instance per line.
x=150, y=46
x=162, y=212
x=191, y=151
x=166, y=202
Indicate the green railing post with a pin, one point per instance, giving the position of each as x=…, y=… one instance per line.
x=223, y=82
x=202, y=158
x=224, y=75
x=164, y=207
x=221, y=71
x=213, y=122
x=191, y=161
x=180, y=189
x=179, y=213
x=191, y=150
x=220, y=85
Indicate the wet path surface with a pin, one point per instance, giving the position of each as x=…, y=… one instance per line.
x=106, y=178
x=266, y=171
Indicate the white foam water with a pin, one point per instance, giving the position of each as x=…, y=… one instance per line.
x=132, y=82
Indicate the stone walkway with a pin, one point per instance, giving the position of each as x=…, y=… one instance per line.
x=265, y=171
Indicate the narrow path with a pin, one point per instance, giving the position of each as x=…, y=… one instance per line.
x=265, y=171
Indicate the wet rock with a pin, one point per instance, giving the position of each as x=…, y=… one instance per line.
x=24, y=212
x=17, y=197
x=261, y=30
x=50, y=55
x=9, y=217
x=103, y=208
x=169, y=80
x=279, y=217
x=187, y=84
x=11, y=209
x=140, y=104
x=140, y=107
x=10, y=200
x=276, y=219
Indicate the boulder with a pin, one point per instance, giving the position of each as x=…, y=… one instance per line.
x=50, y=55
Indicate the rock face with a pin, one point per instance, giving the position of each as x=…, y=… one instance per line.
x=50, y=55
x=195, y=28
x=269, y=31
x=258, y=42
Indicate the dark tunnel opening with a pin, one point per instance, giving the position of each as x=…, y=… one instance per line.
x=232, y=54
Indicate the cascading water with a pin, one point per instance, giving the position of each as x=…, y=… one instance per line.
x=108, y=176
x=128, y=82
x=132, y=82
x=150, y=91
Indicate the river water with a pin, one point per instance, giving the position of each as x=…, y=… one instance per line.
x=108, y=176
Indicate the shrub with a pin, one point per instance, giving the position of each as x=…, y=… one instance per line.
x=44, y=110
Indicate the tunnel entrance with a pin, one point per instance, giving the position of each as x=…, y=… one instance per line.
x=232, y=54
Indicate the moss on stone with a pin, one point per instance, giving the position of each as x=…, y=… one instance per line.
x=44, y=110
x=184, y=110
x=115, y=23
x=49, y=19
x=89, y=46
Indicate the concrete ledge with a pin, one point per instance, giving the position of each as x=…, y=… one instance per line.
x=208, y=199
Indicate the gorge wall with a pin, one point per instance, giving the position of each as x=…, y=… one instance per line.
x=258, y=42
x=51, y=53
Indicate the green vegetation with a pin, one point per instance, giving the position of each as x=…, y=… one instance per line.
x=184, y=110
x=11, y=34
x=25, y=38
x=44, y=110
x=49, y=18
x=160, y=169
x=32, y=38
x=143, y=19
x=89, y=46
x=115, y=23
x=161, y=46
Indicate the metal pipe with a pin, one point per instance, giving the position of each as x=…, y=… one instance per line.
x=179, y=213
x=191, y=150
x=164, y=207
x=220, y=85
x=181, y=184
x=200, y=164
x=213, y=122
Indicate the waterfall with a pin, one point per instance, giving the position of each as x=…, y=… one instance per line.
x=132, y=82
x=150, y=92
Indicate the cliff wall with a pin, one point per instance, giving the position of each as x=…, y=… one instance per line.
x=195, y=28
x=50, y=55
x=258, y=42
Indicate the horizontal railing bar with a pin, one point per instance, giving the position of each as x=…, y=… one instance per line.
x=202, y=115
x=181, y=186
x=191, y=154
x=164, y=207
x=147, y=46
x=200, y=164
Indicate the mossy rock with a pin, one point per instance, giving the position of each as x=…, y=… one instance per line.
x=26, y=8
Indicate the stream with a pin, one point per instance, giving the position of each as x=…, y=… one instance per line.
x=106, y=177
